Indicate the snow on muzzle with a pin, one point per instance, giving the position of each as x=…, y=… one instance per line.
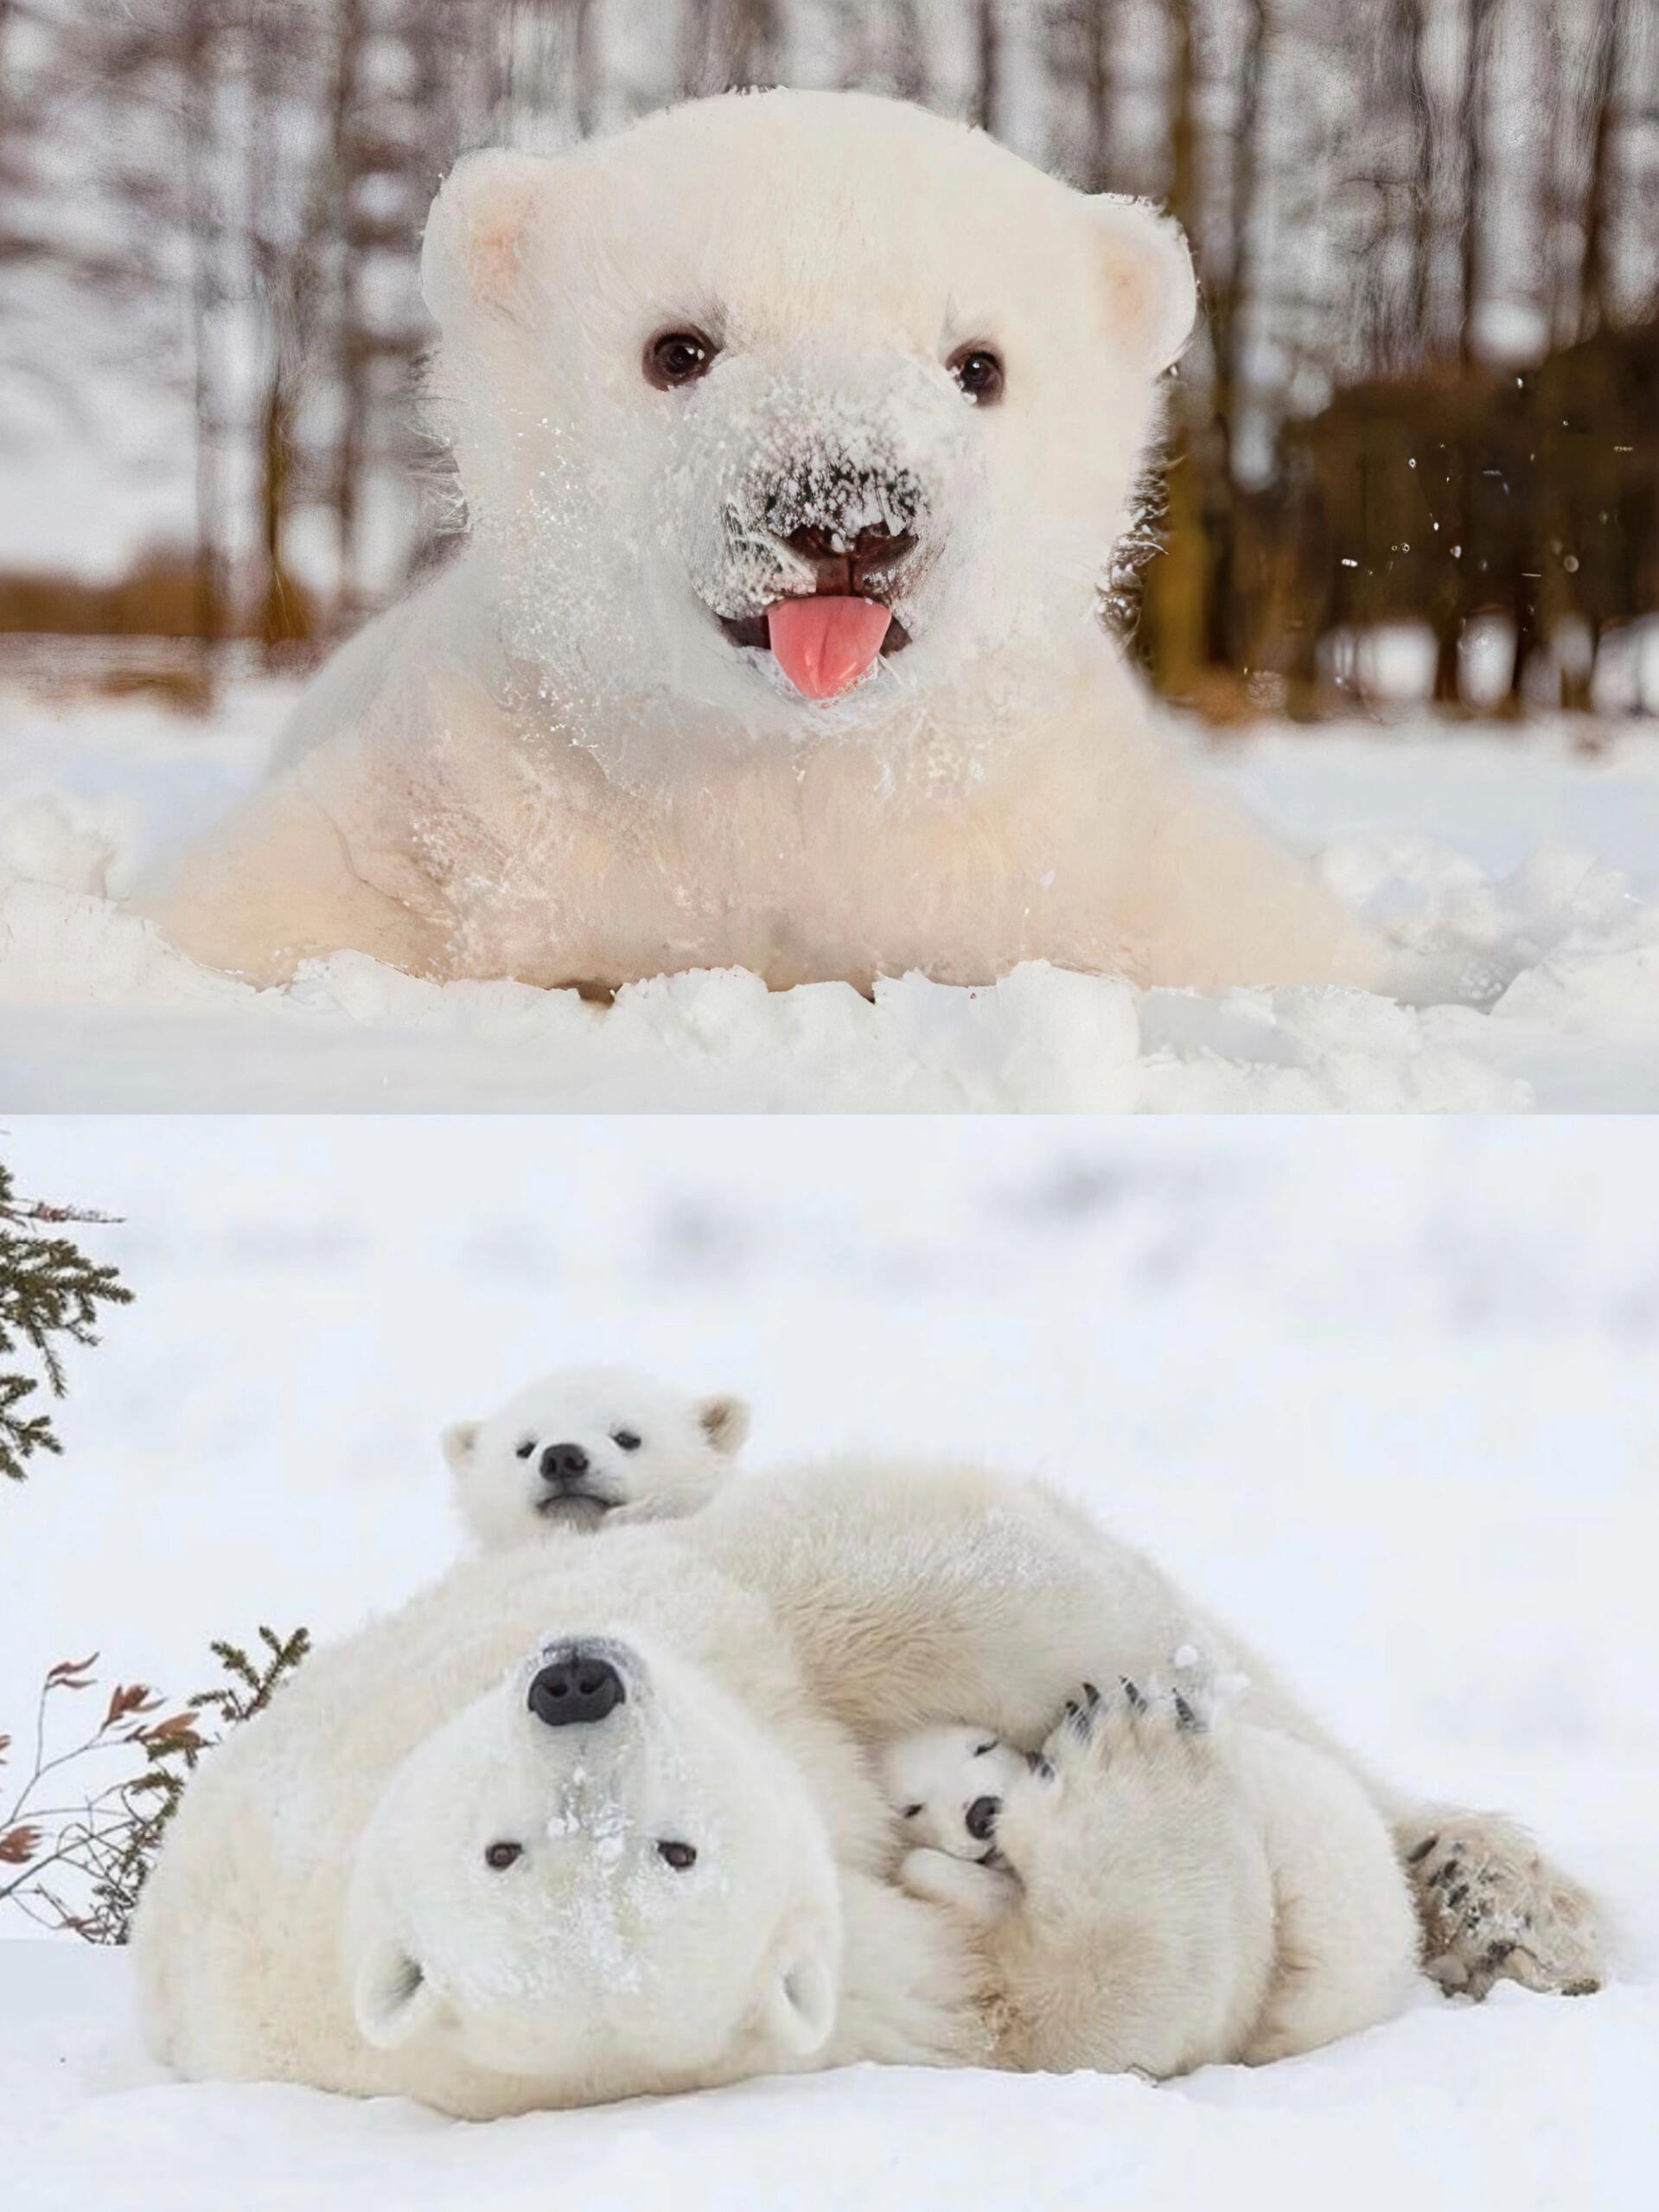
x=813, y=503
x=580, y=1681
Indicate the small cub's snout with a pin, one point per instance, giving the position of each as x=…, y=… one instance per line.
x=847, y=519
x=981, y=1818
x=843, y=565
x=563, y=1464
x=576, y=1690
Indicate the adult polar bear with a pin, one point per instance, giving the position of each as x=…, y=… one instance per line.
x=718, y=471
x=404, y=1877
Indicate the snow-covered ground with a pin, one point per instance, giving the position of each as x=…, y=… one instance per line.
x=1391, y=1404
x=1526, y=869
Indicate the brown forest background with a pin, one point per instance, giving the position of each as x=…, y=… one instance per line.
x=1426, y=389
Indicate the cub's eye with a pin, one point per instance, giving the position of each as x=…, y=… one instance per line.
x=625, y=1440
x=979, y=1750
x=676, y=357
x=913, y=1812
x=501, y=1855
x=978, y=371
x=679, y=1855
x=526, y=1447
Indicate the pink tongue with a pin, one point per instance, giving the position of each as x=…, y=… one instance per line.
x=826, y=643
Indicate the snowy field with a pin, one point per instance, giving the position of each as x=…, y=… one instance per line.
x=1393, y=1405
x=1525, y=872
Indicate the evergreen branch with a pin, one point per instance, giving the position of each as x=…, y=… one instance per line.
x=51, y=1296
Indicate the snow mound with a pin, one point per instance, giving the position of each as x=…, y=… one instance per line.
x=1537, y=983
x=1528, y=2102
x=1043, y=1040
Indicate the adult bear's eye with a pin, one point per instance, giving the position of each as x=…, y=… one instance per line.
x=526, y=1447
x=676, y=357
x=978, y=371
x=501, y=1855
x=626, y=1440
x=913, y=1812
x=679, y=1855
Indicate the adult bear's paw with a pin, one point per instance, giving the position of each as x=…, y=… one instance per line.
x=1128, y=1719
x=1127, y=1775
x=1493, y=1909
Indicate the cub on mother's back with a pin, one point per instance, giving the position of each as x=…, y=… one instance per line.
x=589, y=1446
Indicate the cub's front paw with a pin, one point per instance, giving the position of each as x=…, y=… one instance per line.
x=982, y=1893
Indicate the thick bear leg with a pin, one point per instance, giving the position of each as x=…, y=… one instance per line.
x=1145, y=1939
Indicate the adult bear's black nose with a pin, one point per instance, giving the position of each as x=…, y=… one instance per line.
x=982, y=1818
x=564, y=1463
x=576, y=1690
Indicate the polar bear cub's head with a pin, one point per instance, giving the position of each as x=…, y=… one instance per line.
x=590, y=1446
x=788, y=412
x=601, y=1879
x=947, y=1785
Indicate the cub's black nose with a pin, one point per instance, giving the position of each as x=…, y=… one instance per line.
x=564, y=1463
x=574, y=1691
x=982, y=1818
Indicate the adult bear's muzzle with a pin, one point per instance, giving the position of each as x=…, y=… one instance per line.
x=577, y=1688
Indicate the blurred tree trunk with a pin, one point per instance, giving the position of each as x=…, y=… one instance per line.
x=12, y=166
x=351, y=346
x=1177, y=594
x=908, y=50
x=1231, y=639
x=1412, y=29
x=988, y=67
x=1594, y=301
x=726, y=43
x=1551, y=206
x=584, y=78
x=1102, y=30
x=289, y=182
x=199, y=137
x=1473, y=124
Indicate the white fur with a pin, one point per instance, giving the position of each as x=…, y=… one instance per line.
x=340, y=1832
x=1277, y=1906
x=323, y=1910
x=682, y=1449
x=934, y=1776
x=591, y=1960
x=553, y=764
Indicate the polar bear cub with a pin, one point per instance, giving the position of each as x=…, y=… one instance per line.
x=1266, y=1845
x=947, y=1785
x=590, y=1446
x=774, y=640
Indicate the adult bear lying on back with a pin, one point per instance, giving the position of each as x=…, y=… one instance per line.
x=592, y=1820
x=774, y=642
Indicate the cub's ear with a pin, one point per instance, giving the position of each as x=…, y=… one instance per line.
x=460, y=1441
x=391, y=1997
x=799, y=2006
x=1151, y=293
x=473, y=252
x=725, y=1421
